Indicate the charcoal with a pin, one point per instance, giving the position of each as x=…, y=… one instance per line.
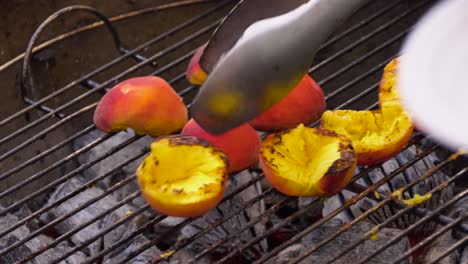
x=464, y=256
x=111, y=162
x=32, y=245
x=288, y=254
x=313, y=213
x=457, y=210
x=166, y=227
x=336, y=201
x=184, y=256
x=323, y=254
x=403, y=179
x=232, y=225
x=24, y=212
x=84, y=215
x=438, y=247
x=123, y=251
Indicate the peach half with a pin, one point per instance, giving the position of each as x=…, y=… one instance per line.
x=303, y=105
x=388, y=88
x=376, y=135
x=148, y=105
x=241, y=144
x=308, y=161
x=194, y=73
x=183, y=176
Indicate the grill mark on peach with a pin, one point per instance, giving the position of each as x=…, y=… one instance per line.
x=178, y=190
x=347, y=160
x=182, y=140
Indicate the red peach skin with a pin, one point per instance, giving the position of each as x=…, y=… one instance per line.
x=304, y=105
x=241, y=144
x=148, y=105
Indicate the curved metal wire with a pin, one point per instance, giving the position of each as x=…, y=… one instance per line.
x=24, y=73
x=97, y=24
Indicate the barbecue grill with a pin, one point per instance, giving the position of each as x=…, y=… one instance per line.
x=69, y=193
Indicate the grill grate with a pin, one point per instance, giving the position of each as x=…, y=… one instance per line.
x=348, y=67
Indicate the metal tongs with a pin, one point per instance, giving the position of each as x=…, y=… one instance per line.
x=266, y=63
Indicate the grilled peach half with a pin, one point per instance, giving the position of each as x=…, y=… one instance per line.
x=183, y=176
x=377, y=135
x=194, y=73
x=241, y=144
x=307, y=161
x=148, y=105
x=303, y=105
x=388, y=88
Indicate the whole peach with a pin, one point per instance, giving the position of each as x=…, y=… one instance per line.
x=303, y=105
x=241, y=144
x=148, y=105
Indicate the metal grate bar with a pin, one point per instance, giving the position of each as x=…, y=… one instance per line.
x=68, y=234
x=30, y=179
x=120, y=75
x=143, y=248
x=43, y=108
x=421, y=212
x=180, y=225
x=313, y=69
x=192, y=87
x=368, y=36
x=47, y=152
x=52, y=167
x=115, y=61
x=57, y=164
x=460, y=243
x=414, y=226
x=402, y=210
x=359, y=96
x=217, y=223
x=360, y=24
x=47, y=130
x=290, y=218
x=66, y=177
x=249, y=225
x=378, y=227
x=422, y=220
x=356, y=62
x=175, y=63
x=373, y=87
x=137, y=56
x=92, y=84
x=359, y=78
x=348, y=67
x=60, y=219
x=348, y=203
x=67, y=196
x=432, y=237
x=75, y=230
x=140, y=210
